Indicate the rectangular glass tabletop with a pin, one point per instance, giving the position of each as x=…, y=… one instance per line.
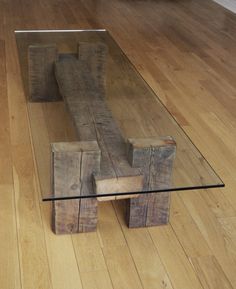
x=136, y=109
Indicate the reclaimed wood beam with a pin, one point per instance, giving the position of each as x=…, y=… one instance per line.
x=81, y=83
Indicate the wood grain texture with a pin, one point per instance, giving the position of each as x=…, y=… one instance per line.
x=54, y=243
x=91, y=261
x=155, y=157
x=88, y=207
x=126, y=184
x=210, y=273
x=146, y=259
x=169, y=248
x=73, y=165
x=95, y=55
x=121, y=268
x=42, y=82
x=9, y=249
x=66, y=258
x=81, y=82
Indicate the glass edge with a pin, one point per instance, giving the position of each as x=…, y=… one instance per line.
x=161, y=102
x=46, y=199
x=58, y=30
x=156, y=97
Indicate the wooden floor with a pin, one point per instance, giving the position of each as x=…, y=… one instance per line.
x=186, y=50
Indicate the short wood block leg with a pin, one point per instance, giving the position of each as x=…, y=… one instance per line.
x=155, y=157
x=42, y=81
x=74, y=216
x=88, y=215
x=65, y=216
x=73, y=165
x=136, y=211
x=148, y=210
x=158, y=209
x=90, y=165
x=95, y=55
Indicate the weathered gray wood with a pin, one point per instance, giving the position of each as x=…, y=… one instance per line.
x=155, y=157
x=73, y=165
x=88, y=206
x=150, y=161
x=66, y=181
x=95, y=55
x=42, y=82
x=158, y=210
x=65, y=216
x=80, y=81
x=136, y=211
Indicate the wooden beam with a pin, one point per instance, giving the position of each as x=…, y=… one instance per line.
x=81, y=83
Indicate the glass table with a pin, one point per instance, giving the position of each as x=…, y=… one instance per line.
x=100, y=133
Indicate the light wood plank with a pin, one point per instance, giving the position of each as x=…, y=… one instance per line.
x=121, y=268
x=180, y=271
x=147, y=261
x=99, y=280
x=117, y=256
x=91, y=261
x=108, y=227
x=186, y=229
x=210, y=273
x=212, y=232
x=9, y=254
x=33, y=258
x=9, y=249
x=59, y=263
x=62, y=261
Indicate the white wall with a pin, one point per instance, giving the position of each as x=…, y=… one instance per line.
x=229, y=4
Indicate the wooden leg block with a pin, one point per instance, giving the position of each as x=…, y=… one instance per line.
x=148, y=210
x=136, y=211
x=42, y=81
x=95, y=55
x=158, y=209
x=155, y=157
x=73, y=165
x=65, y=216
x=88, y=215
x=74, y=216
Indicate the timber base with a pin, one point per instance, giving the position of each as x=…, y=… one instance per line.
x=144, y=210
x=103, y=162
